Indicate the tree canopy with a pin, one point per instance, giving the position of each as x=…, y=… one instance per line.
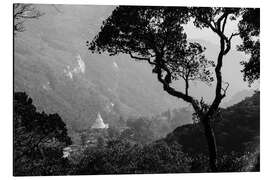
x=38, y=139
x=249, y=28
x=156, y=35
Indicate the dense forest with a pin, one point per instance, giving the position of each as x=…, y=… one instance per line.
x=133, y=150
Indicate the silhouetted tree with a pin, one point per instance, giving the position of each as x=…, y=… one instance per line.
x=21, y=12
x=38, y=137
x=155, y=35
x=249, y=28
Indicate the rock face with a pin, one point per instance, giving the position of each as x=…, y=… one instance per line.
x=99, y=124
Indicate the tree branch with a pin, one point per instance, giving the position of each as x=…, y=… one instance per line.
x=223, y=25
x=228, y=42
x=232, y=35
x=225, y=89
x=223, y=16
x=170, y=90
x=141, y=58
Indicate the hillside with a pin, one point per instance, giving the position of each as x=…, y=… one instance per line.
x=238, y=97
x=52, y=64
x=238, y=130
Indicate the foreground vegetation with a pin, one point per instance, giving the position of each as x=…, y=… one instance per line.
x=39, y=140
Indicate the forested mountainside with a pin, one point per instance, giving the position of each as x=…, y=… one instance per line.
x=52, y=64
x=237, y=130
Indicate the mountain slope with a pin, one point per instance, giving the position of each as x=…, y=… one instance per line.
x=52, y=64
x=238, y=130
x=238, y=97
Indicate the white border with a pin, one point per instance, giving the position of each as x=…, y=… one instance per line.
x=6, y=86
x=227, y=3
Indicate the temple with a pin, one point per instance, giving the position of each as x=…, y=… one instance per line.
x=99, y=124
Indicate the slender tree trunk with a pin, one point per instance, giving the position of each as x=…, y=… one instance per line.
x=187, y=86
x=211, y=142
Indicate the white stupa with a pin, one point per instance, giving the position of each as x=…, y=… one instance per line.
x=99, y=124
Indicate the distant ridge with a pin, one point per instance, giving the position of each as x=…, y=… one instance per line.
x=238, y=97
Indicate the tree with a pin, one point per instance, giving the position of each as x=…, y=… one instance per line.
x=156, y=35
x=138, y=130
x=249, y=28
x=38, y=138
x=21, y=12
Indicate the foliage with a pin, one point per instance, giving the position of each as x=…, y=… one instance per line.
x=154, y=34
x=244, y=162
x=21, y=12
x=138, y=130
x=133, y=29
x=165, y=122
x=237, y=130
x=228, y=162
x=121, y=157
x=118, y=155
x=249, y=28
x=38, y=139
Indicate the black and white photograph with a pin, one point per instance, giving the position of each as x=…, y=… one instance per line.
x=135, y=89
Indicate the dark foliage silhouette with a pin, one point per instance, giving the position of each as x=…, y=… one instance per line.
x=249, y=28
x=237, y=134
x=183, y=150
x=22, y=12
x=38, y=139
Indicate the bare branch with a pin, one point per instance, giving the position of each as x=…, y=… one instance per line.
x=232, y=35
x=228, y=42
x=170, y=90
x=225, y=89
x=22, y=12
x=223, y=25
x=213, y=27
x=223, y=16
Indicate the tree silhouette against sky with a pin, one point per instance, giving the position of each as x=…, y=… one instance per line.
x=249, y=28
x=156, y=35
x=22, y=12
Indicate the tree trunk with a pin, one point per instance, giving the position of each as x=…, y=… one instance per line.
x=187, y=86
x=211, y=142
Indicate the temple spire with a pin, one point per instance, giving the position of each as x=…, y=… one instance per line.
x=99, y=124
